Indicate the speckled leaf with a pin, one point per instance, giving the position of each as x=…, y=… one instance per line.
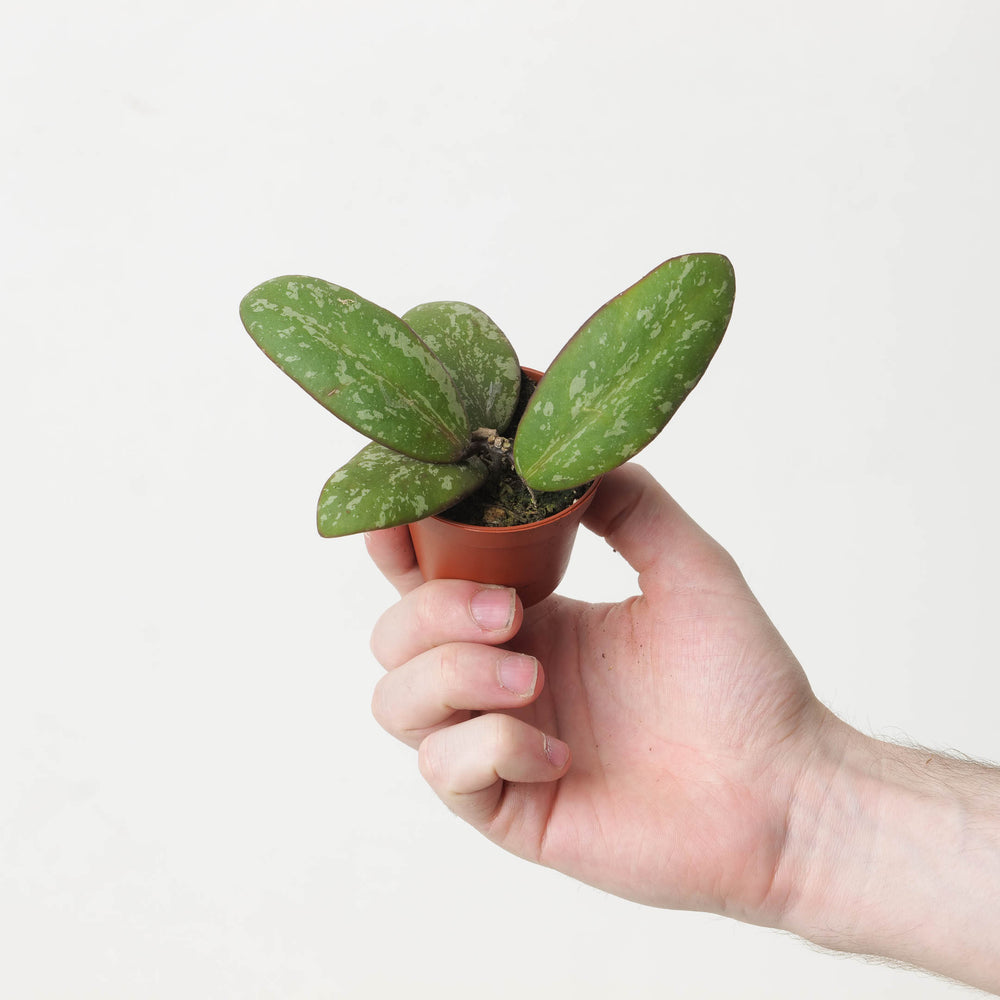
x=479, y=358
x=619, y=380
x=361, y=362
x=380, y=488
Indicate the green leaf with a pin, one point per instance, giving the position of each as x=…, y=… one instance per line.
x=380, y=488
x=479, y=358
x=619, y=380
x=361, y=362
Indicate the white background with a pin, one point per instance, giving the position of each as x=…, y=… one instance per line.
x=194, y=799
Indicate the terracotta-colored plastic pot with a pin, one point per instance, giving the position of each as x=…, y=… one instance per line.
x=532, y=558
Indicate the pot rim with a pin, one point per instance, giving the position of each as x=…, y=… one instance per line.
x=515, y=528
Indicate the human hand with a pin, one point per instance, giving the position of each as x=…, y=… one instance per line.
x=688, y=719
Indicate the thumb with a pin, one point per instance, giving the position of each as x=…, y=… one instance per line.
x=669, y=550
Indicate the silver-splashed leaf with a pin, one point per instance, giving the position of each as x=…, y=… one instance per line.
x=477, y=355
x=379, y=488
x=361, y=362
x=623, y=375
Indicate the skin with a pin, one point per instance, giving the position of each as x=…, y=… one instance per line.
x=669, y=749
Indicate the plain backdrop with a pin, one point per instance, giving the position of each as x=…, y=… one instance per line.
x=194, y=799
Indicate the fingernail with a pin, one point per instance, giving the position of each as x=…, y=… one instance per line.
x=556, y=751
x=493, y=608
x=518, y=674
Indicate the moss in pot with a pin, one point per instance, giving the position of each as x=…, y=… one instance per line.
x=459, y=433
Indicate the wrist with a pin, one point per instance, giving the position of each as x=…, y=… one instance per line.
x=895, y=851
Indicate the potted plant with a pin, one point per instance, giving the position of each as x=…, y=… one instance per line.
x=465, y=441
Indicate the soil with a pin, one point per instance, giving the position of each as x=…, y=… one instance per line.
x=504, y=500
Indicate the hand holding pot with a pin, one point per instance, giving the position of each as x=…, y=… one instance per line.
x=686, y=690
x=704, y=773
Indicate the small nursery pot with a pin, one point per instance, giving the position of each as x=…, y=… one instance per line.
x=532, y=557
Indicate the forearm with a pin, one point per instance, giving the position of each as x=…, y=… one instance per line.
x=895, y=852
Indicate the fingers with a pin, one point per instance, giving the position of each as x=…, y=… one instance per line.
x=636, y=516
x=439, y=645
x=442, y=686
x=467, y=765
x=392, y=552
x=445, y=611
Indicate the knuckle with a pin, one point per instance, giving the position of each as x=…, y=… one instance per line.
x=500, y=732
x=431, y=760
x=382, y=705
x=373, y=645
x=450, y=668
x=430, y=607
x=378, y=643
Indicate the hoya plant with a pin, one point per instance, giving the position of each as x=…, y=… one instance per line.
x=440, y=390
